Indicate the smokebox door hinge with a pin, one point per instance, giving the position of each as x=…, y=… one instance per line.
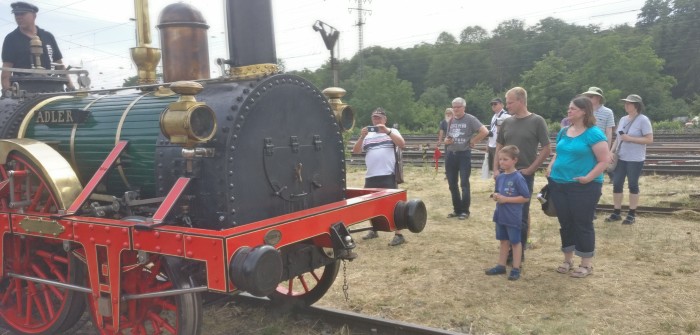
x=294, y=143
x=318, y=144
x=269, y=147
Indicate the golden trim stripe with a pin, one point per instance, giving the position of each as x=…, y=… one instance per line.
x=119, y=134
x=30, y=115
x=72, y=138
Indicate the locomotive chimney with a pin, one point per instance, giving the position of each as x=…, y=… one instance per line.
x=183, y=38
x=251, y=38
x=144, y=56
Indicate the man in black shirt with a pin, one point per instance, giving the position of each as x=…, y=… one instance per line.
x=15, y=48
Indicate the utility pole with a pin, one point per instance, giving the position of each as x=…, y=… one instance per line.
x=360, y=35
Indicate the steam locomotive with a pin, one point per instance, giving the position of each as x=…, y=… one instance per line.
x=132, y=205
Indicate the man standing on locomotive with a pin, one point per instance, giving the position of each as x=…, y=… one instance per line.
x=379, y=143
x=15, y=48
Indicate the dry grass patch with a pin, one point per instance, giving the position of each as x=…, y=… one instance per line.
x=645, y=278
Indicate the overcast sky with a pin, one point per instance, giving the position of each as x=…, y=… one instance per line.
x=99, y=33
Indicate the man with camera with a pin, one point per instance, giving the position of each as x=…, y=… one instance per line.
x=499, y=114
x=379, y=143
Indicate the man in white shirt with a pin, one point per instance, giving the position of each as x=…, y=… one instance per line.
x=379, y=145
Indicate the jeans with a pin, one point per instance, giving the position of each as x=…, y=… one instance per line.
x=631, y=170
x=458, y=164
x=576, y=205
x=530, y=180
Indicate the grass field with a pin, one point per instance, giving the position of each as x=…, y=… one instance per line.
x=646, y=276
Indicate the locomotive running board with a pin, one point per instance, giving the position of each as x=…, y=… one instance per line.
x=97, y=177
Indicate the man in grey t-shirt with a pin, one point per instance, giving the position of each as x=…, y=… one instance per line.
x=528, y=131
x=463, y=132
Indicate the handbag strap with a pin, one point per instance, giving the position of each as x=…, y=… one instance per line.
x=626, y=129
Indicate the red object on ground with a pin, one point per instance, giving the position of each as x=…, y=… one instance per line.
x=436, y=156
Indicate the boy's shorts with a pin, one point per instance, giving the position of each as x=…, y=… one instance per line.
x=508, y=233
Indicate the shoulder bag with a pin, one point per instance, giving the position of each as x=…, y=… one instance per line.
x=398, y=168
x=615, y=152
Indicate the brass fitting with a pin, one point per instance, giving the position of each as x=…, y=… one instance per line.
x=36, y=48
x=188, y=122
x=343, y=113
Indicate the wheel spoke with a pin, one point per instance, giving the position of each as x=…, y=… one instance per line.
x=28, y=307
x=36, y=198
x=303, y=283
x=49, y=304
x=42, y=275
x=8, y=293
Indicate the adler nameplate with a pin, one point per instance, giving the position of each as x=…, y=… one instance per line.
x=61, y=116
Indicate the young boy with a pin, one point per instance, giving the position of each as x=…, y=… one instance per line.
x=511, y=193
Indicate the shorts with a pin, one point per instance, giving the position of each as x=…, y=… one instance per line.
x=508, y=233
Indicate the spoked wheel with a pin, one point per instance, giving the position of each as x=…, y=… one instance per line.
x=26, y=306
x=178, y=314
x=307, y=288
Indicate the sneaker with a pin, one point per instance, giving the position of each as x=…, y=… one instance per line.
x=613, y=217
x=628, y=220
x=398, y=239
x=452, y=215
x=370, y=235
x=463, y=216
x=514, y=274
x=496, y=270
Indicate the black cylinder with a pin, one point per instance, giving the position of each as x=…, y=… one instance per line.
x=251, y=33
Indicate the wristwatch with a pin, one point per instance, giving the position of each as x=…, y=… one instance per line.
x=389, y=133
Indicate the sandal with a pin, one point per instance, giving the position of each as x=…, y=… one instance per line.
x=565, y=267
x=582, y=271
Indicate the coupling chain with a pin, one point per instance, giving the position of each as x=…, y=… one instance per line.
x=345, y=281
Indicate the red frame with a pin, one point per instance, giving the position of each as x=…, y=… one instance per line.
x=214, y=248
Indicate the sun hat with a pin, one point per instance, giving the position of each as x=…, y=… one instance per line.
x=633, y=98
x=594, y=91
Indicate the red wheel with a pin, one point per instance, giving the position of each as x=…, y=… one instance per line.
x=179, y=314
x=307, y=288
x=25, y=306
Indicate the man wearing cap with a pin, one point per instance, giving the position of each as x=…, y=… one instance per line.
x=463, y=132
x=379, y=145
x=499, y=114
x=15, y=48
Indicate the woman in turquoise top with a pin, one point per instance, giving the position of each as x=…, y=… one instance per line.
x=576, y=180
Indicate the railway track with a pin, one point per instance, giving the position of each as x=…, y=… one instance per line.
x=354, y=322
x=670, y=154
x=648, y=210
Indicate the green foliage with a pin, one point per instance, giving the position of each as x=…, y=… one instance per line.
x=478, y=99
x=437, y=97
x=382, y=88
x=553, y=60
x=672, y=126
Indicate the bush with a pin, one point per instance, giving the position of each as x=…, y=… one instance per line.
x=672, y=126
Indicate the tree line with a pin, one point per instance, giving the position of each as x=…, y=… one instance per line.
x=553, y=60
